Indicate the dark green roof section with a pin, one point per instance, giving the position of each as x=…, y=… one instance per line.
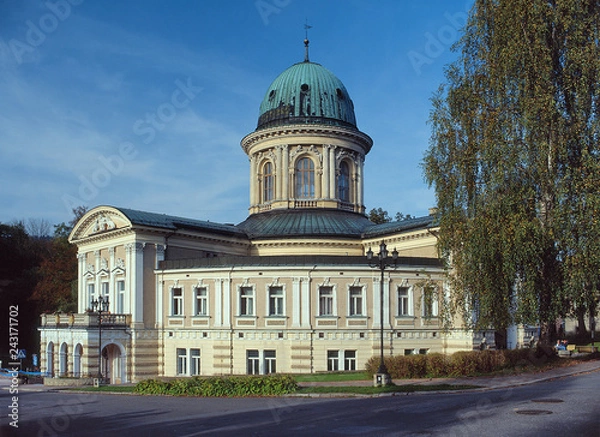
x=306, y=93
x=173, y=223
x=290, y=261
x=305, y=223
x=383, y=229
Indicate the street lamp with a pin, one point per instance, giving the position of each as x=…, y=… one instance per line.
x=382, y=261
x=102, y=305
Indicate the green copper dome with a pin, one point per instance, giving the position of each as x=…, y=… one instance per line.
x=306, y=93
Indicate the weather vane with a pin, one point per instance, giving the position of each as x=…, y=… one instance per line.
x=306, y=27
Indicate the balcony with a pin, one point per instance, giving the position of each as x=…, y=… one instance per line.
x=85, y=320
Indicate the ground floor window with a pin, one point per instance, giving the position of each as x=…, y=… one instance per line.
x=270, y=362
x=194, y=361
x=252, y=362
x=181, y=361
x=335, y=363
x=261, y=362
x=333, y=360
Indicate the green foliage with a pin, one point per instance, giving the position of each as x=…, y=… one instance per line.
x=514, y=162
x=464, y=363
x=232, y=386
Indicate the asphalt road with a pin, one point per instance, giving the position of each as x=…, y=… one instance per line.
x=565, y=407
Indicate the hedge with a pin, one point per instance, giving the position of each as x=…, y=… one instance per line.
x=468, y=363
x=232, y=386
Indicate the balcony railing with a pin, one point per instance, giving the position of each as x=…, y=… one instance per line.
x=85, y=320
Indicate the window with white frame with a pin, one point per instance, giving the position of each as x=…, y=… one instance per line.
x=120, y=296
x=403, y=302
x=194, y=361
x=177, y=301
x=333, y=360
x=268, y=178
x=104, y=289
x=276, y=301
x=356, y=301
x=200, y=301
x=181, y=361
x=91, y=290
x=246, y=301
x=350, y=360
x=344, y=182
x=252, y=362
x=270, y=361
x=326, y=301
x=304, y=176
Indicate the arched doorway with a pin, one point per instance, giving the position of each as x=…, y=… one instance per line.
x=77, y=353
x=50, y=359
x=113, y=358
x=62, y=360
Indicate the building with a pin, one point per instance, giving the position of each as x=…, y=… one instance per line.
x=288, y=290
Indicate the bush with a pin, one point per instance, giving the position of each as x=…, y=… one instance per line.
x=271, y=385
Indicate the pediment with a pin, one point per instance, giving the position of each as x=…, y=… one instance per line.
x=99, y=221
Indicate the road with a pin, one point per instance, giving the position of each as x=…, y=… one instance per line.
x=563, y=407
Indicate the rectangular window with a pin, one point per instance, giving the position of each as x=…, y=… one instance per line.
x=270, y=362
x=246, y=301
x=349, y=360
x=194, y=361
x=104, y=289
x=91, y=293
x=181, y=361
x=276, y=301
x=356, y=301
x=177, y=302
x=252, y=362
x=201, y=302
x=403, y=308
x=333, y=361
x=326, y=301
x=120, y=297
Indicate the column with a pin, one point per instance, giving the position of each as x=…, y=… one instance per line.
x=137, y=283
x=226, y=311
x=296, y=302
x=326, y=173
x=285, y=172
x=305, y=312
x=376, y=308
x=82, y=299
x=253, y=175
x=218, y=303
x=332, y=170
x=360, y=189
x=111, y=280
x=278, y=173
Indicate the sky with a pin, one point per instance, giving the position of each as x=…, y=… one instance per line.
x=142, y=104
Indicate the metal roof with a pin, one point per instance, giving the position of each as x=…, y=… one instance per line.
x=306, y=93
x=164, y=221
x=305, y=223
x=424, y=222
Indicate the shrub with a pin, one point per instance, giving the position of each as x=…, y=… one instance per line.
x=270, y=385
x=438, y=365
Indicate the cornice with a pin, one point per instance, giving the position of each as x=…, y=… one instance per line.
x=303, y=130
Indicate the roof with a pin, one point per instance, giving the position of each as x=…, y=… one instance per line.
x=305, y=223
x=374, y=230
x=164, y=221
x=306, y=93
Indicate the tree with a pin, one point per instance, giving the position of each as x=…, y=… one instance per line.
x=514, y=162
x=379, y=216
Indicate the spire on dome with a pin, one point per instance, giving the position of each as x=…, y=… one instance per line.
x=306, y=27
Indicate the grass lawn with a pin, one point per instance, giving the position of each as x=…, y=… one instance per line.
x=410, y=388
x=334, y=377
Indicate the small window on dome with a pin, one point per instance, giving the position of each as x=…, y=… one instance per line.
x=304, y=87
x=272, y=95
x=339, y=93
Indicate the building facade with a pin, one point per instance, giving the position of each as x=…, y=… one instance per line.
x=288, y=290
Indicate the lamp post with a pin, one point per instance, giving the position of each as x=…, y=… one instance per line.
x=102, y=305
x=381, y=262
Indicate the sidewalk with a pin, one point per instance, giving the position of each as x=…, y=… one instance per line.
x=485, y=382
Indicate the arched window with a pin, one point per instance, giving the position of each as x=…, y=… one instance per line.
x=305, y=178
x=268, y=182
x=344, y=182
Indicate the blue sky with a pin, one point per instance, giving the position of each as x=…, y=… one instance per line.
x=142, y=104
